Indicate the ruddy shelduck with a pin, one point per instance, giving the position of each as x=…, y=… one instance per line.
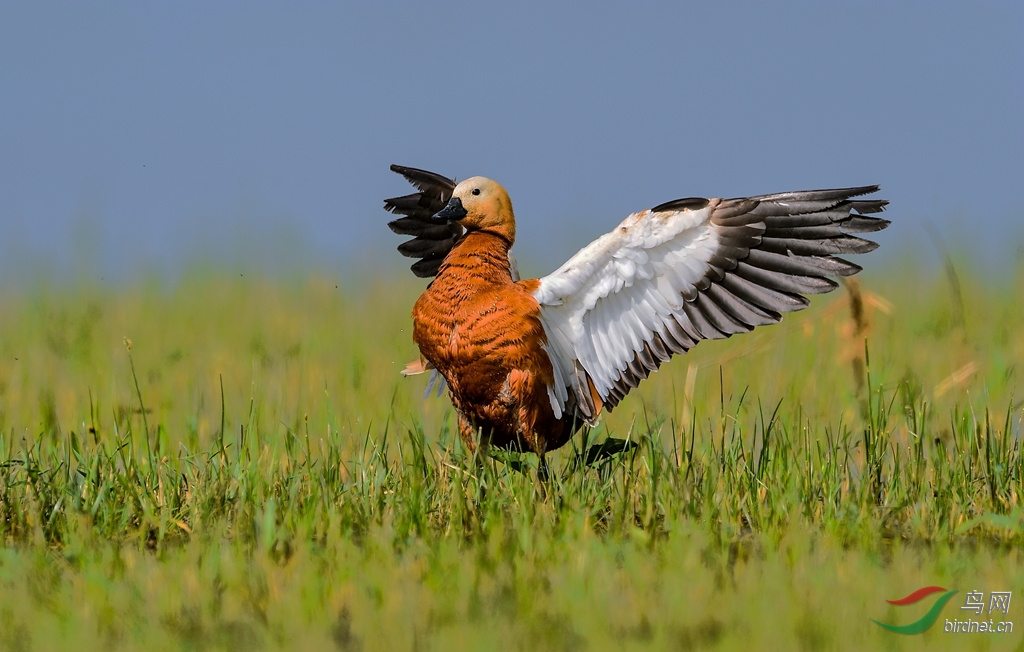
x=528, y=362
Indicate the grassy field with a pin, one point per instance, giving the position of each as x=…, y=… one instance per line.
x=235, y=463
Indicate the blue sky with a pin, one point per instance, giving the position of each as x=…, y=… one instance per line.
x=140, y=137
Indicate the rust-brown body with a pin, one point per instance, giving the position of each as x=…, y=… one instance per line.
x=482, y=332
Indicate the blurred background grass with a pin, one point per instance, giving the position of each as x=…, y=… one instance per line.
x=233, y=460
x=317, y=347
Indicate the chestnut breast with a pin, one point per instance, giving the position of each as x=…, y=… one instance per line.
x=477, y=325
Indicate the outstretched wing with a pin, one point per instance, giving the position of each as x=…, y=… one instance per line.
x=431, y=241
x=689, y=270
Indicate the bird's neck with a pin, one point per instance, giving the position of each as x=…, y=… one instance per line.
x=482, y=255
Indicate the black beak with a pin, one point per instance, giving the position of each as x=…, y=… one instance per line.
x=453, y=211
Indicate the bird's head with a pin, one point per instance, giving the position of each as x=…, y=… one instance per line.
x=480, y=204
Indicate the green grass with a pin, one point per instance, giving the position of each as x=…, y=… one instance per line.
x=232, y=462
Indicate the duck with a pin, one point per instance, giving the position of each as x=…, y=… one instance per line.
x=527, y=363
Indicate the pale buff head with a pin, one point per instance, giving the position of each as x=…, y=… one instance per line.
x=480, y=204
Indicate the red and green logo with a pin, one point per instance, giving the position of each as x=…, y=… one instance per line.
x=926, y=620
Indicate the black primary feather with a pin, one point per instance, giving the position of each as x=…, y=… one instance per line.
x=431, y=241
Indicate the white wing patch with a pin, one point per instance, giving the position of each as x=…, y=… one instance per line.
x=601, y=306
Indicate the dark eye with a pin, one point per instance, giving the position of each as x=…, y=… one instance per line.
x=476, y=191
